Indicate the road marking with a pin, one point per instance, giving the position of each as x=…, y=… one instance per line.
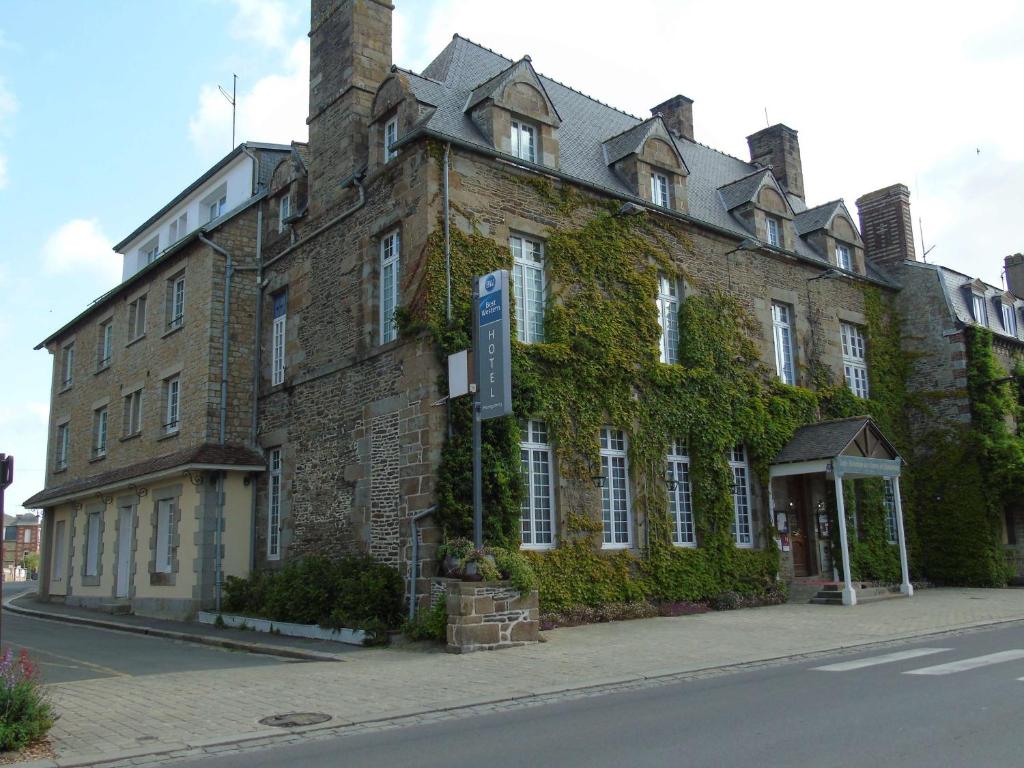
x=966, y=664
x=886, y=658
x=77, y=662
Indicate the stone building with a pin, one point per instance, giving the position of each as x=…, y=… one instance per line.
x=939, y=307
x=21, y=536
x=152, y=410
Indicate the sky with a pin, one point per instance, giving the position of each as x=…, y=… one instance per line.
x=109, y=108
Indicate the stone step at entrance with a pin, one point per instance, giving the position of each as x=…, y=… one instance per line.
x=832, y=593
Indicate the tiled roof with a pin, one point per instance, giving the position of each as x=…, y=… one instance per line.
x=207, y=454
x=959, y=289
x=587, y=124
x=816, y=218
x=743, y=190
x=826, y=439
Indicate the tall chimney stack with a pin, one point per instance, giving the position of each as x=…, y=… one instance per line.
x=886, y=226
x=677, y=113
x=349, y=57
x=779, y=147
x=1015, y=274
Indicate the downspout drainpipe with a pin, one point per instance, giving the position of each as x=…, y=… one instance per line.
x=414, y=565
x=447, y=239
x=257, y=362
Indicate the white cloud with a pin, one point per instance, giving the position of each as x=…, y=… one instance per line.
x=266, y=22
x=274, y=109
x=81, y=246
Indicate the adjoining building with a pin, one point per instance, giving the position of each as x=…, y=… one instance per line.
x=21, y=536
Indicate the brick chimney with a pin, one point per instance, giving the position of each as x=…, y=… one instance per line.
x=886, y=226
x=677, y=113
x=1015, y=274
x=779, y=147
x=349, y=57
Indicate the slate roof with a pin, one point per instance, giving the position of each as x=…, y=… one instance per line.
x=958, y=290
x=206, y=454
x=631, y=140
x=450, y=79
x=816, y=218
x=824, y=440
x=743, y=190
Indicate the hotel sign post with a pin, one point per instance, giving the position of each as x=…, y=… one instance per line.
x=492, y=370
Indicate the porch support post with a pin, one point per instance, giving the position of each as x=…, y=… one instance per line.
x=849, y=593
x=906, y=587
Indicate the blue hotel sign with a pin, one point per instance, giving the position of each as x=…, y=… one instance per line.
x=492, y=351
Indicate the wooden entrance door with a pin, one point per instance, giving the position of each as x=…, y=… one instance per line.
x=798, y=536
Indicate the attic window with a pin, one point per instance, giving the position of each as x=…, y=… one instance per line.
x=390, y=137
x=772, y=228
x=524, y=142
x=843, y=260
x=1009, y=319
x=979, y=308
x=659, y=189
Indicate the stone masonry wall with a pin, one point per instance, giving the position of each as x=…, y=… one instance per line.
x=489, y=615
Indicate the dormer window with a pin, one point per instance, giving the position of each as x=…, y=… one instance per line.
x=215, y=204
x=149, y=252
x=979, y=308
x=1009, y=319
x=772, y=230
x=284, y=210
x=843, y=258
x=659, y=189
x=524, y=143
x=390, y=137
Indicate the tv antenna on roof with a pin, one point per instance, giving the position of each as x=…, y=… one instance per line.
x=232, y=101
x=924, y=251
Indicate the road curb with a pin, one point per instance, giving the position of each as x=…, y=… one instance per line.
x=211, y=640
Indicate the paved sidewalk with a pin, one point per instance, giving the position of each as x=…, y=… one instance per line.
x=114, y=718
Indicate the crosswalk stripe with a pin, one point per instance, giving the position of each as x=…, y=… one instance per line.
x=966, y=664
x=887, y=658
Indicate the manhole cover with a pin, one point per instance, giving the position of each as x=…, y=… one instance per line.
x=295, y=719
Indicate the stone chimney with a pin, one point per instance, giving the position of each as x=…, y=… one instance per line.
x=886, y=226
x=779, y=147
x=677, y=113
x=1015, y=274
x=349, y=57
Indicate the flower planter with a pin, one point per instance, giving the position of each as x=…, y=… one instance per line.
x=489, y=615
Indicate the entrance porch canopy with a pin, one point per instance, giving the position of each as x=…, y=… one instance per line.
x=845, y=448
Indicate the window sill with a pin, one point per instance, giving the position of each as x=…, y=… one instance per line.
x=95, y=459
x=60, y=470
x=616, y=546
x=169, y=435
x=101, y=369
x=136, y=339
x=173, y=330
x=132, y=436
x=64, y=388
x=536, y=547
x=685, y=545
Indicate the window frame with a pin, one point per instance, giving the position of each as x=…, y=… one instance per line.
x=668, y=318
x=172, y=404
x=529, y=312
x=979, y=308
x=773, y=231
x=67, y=365
x=278, y=338
x=274, y=496
x=176, y=301
x=149, y=251
x=518, y=129
x=1009, y=318
x=782, y=337
x=661, y=193
x=844, y=257
x=680, y=499
x=390, y=257
x=853, y=341
x=137, y=318
x=100, y=431
x=284, y=210
x=532, y=517
x=132, y=415
x=63, y=446
x=390, y=138
x=742, y=503
x=889, y=505
x=611, y=457
x=105, y=345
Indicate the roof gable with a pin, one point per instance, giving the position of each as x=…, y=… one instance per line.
x=855, y=436
x=632, y=141
x=746, y=189
x=502, y=90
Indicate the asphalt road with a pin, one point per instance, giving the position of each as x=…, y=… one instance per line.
x=68, y=652
x=948, y=701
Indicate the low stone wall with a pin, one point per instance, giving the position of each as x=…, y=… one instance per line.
x=488, y=615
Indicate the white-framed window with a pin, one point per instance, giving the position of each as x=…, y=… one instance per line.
x=1009, y=319
x=27, y=536
x=172, y=404
x=274, y=505
x=67, y=365
x=390, y=137
x=149, y=252
x=176, y=301
x=277, y=338
x=216, y=205
x=178, y=228
x=659, y=189
x=980, y=308
x=92, y=544
x=742, y=525
x=60, y=460
x=132, y=419
x=137, y=318
x=284, y=210
x=680, y=500
x=668, y=318
x=782, y=330
x=105, y=347
x=615, y=501
x=389, y=267
x=164, y=518
x=528, y=285
x=58, y=551
x=99, y=432
x=843, y=258
x=889, y=502
x=855, y=367
x=538, y=507
x=772, y=228
x=524, y=143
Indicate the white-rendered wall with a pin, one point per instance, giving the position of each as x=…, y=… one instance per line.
x=237, y=176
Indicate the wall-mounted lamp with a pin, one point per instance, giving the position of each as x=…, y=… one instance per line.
x=600, y=481
x=670, y=482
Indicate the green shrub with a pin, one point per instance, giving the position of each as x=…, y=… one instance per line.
x=513, y=565
x=25, y=714
x=429, y=625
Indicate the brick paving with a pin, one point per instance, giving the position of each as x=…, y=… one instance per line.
x=187, y=713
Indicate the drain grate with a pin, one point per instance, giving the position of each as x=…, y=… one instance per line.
x=295, y=719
